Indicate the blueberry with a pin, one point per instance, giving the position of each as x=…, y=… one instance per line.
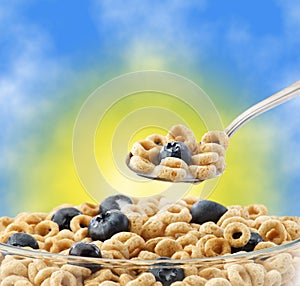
x=176, y=149
x=205, y=210
x=85, y=249
x=105, y=225
x=22, y=239
x=255, y=238
x=63, y=217
x=115, y=202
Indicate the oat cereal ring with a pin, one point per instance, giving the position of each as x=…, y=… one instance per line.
x=183, y=134
x=175, y=213
x=237, y=234
x=205, y=158
x=211, y=148
x=30, y=218
x=116, y=245
x=149, y=208
x=264, y=244
x=154, y=227
x=108, y=283
x=147, y=255
x=202, y=241
x=203, y=172
x=217, y=246
x=211, y=228
x=280, y=262
x=61, y=278
x=145, y=279
x=179, y=255
x=157, y=139
x=212, y=272
x=43, y=274
x=218, y=137
x=15, y=280
x=187, y=239
x=231, y=212
x=151, y=243
x=141, y=148
x=77, y=271
x=4, y=222
x=195, y=280
x=218, y=282
x=174, y=162
x=177, y=229
x=234, y=219
x=56, y=245
x=13, y=267
x=46, y=228
x=169, y=173
x=132, y=241
x=65, y=233
x=101, y=276
x=256, y=273
x=89, y=209
x=141, y=165
x=193, y=251
x=20, y=226
x=82, y=234
x=79, y=221
x=190, y=201
x=238, y=275
x=135, y=223
x=167, y=247
x=256, y=211
x=292, y=228
x=273, y=278
x=273, y=230
x=220, y=165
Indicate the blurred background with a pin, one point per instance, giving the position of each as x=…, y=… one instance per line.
x=54, y=54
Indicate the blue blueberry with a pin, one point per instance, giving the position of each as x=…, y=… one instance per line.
x=22, y=239
x=255, y=238
x=165, y=273
x=105, y=225
x=85, y=249
x=205, y=210
x=63, y=217
x=115, y=202
x=176, y=149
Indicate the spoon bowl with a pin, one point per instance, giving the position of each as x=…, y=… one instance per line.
x=270, y=102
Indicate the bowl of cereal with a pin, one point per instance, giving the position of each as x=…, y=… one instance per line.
x=150, y=241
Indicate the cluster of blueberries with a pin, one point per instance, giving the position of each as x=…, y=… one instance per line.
x=111, y=220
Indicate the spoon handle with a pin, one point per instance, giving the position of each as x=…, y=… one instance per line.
x=263, y=106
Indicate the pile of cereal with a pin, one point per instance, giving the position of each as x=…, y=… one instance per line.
x=156, y=230
x=178, y=156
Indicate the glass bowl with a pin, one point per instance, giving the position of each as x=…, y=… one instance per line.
x=278, y=265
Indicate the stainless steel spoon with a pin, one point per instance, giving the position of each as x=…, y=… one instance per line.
x=272, y=101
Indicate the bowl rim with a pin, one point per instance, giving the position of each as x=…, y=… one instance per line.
x=6, y=249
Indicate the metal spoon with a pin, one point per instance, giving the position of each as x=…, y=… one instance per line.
x=272, y=101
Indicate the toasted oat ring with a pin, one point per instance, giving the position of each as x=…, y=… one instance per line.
x=15, y=280
x=216, y=247
x=157, y=139
x=237, y=228
x=202, y=241
x=141, y=165
x=273, y=230
x=256, y=211
x=238, y=275
x=167, y=247
x=219, y=137
x=205, y=158
x=79, y=221
x=172, y=174
x=141, y=148
x=212, y=272
x=218, y=282
x=46, y=228
x=89, y=209
x=203, y=172
x=233, y=219
x=211, y=147
x=175, y=213
x=174, y=162
x=211, y=228
x=61, y=277
x=20, y=226
x=177, y=229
